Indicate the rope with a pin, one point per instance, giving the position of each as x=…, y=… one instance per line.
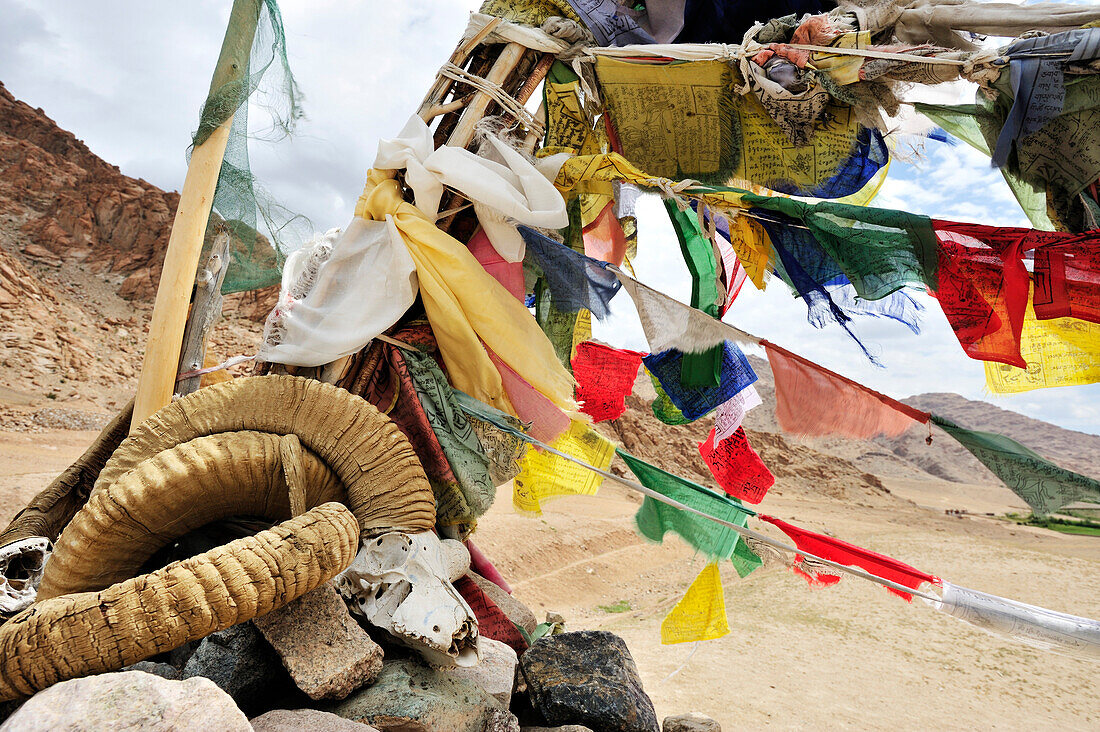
x=496, y=91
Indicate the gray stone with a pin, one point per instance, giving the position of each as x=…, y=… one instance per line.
x=243, y=665
x=496, y=673
x=563, y=728
x=325, y=651
x=690, y=722
x=128, y=701
x=512, y=608
x=163, y=670
x=587, y=678
x=410, y=696
x=295, y=720
x=501, y=721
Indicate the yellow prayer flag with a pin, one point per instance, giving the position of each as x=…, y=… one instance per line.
x=1058, y=352
x=700, y=614
x=544, y=475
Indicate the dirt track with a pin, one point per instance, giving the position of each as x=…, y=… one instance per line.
x=850, y=656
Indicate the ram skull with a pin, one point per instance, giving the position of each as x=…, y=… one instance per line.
x=399, y=582
x=21, y=564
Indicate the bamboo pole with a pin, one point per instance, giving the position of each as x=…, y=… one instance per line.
x=181, y=260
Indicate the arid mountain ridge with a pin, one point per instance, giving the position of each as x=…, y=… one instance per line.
x=81, y=246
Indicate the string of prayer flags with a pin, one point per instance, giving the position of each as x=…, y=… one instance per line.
x=735, y=465
x=544, y=475
x=810, y=400
x=700, y=614
x=670, y=324
x=842, y=552
x=1059, y=352
x=982, y=288
x=1041, y=484
x=575, y=281
x=730, y=413
x=655, y=519
x=605, y=376
x=697, y=401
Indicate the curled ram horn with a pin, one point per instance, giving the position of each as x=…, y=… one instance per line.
x=92, y=632
x=269, y=447
x=400, y=582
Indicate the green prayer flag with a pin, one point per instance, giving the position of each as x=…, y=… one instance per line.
x=698, y=369
x=1042, y=484
x=655, y=519
x=663, y=408
x=880, y=250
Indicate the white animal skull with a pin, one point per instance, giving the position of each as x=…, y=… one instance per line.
x=21, y=565
x=399, y=583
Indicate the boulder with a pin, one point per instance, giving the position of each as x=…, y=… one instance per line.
x=496, y=673
x=690, y=722
x=163, y=670
x=243, y=665
x=501, y=720
x=129, y=700
x=587, y=678
x=563, y=728
x=295, y=720
x=409, y=696
x=325, y=651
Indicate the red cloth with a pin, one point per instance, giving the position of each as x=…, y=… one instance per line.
x=733, y=274
x=604, y=238
x=811, y=400
x=604, y=377
x=983, y=288
x=491, y=620
x=842, y=552
x=1067, y=275
x=480, y=563
x=736, y=466
x=509, y=274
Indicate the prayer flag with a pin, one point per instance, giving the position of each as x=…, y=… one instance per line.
x=700, y=614
x=696, y=401
x=546, y=419
x=509, y=274
x=575, y=281
x=813, y=401
x=544, y=475
x=736, y=466
x=842, y=552
x=604, y=239
x=654, y=519
x=1059, y=352
x=605, y=376
x=732, y=412
x=1042, y=484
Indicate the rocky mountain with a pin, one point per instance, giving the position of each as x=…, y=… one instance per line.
x=81, y=249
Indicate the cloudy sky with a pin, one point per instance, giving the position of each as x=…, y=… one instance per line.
x=129, y=77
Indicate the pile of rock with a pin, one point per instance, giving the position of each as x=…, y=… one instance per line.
x=311, y=665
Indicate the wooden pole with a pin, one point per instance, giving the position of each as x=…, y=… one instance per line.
x=162, y=348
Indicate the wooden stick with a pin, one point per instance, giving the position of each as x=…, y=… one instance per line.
x=508, y=60
x=162, y=348
x=442, y=83
x=448, y=107
x=205, y=311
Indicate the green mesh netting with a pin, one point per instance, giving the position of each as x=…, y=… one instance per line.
x=243, y=70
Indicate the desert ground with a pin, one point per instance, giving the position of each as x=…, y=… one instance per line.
x=848, y=656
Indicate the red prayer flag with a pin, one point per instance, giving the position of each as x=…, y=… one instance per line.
x=736, y=466
x=604, y=377
x=842, y=552
x=983, y=288
x=604, y=238
x=811, y=400
x=491, y=620
x=509, y=274
x=1067, y=275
